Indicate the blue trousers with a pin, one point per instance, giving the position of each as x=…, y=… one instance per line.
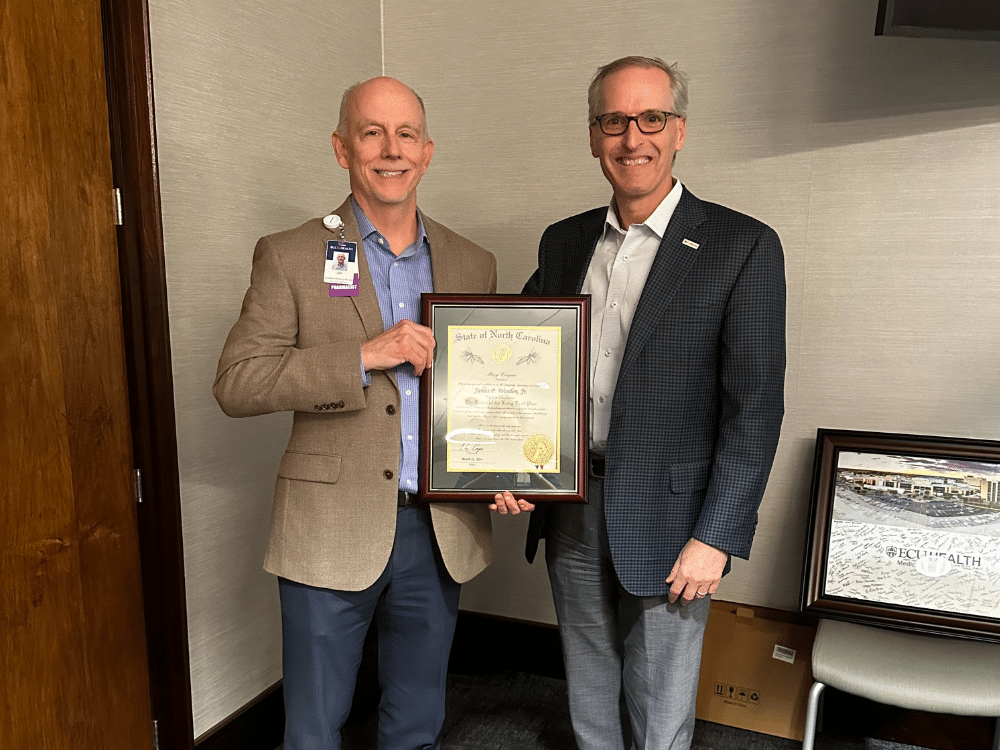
x=640, y=653
x=414, y=604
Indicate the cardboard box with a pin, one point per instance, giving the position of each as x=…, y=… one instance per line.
x=756, y=670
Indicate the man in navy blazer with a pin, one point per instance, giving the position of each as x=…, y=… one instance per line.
x=687, y=374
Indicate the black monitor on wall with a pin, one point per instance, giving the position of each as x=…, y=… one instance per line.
x=956, y=19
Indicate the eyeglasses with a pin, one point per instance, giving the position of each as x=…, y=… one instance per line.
x=649, y=122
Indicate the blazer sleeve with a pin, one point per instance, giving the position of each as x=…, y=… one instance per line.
x=751, y=399
x=263, y=370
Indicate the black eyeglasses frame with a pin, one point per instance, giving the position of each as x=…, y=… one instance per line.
x=599, y=120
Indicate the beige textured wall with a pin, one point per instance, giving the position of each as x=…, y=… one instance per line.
x=876, y=160
x=247, y=95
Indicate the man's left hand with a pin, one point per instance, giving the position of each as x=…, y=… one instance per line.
x=697, y=572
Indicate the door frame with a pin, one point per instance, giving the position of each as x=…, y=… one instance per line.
x=148, y=364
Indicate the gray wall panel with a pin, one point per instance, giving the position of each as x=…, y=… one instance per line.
x=247, y=95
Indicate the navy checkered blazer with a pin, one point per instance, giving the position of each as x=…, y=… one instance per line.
x=699, y=400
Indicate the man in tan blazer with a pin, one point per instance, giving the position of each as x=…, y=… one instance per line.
x=350, y=540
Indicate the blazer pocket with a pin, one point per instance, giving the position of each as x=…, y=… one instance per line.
x=310, y=467
x=690, y=476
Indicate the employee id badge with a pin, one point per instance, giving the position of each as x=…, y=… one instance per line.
x=341, y=269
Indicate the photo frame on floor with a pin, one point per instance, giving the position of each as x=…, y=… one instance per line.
x=904, y=531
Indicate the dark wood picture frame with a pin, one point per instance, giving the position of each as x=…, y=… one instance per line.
x=971, y=19
x=902, y=549
x=572, y=317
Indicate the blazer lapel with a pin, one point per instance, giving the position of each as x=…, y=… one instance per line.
x=671, y=265
x=445, y=271
x=579, y=251
x=366, y=301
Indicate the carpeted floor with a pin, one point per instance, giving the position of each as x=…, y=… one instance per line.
x=518, y=711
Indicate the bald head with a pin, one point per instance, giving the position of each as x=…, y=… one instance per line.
x=382, y=141
x=378, y=86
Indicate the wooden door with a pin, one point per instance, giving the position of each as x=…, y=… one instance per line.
x=72, y=649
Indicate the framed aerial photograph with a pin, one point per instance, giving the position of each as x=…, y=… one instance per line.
x=904, y=531
x=505, y=404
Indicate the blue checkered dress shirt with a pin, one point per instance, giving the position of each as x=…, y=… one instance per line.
x=399, y=282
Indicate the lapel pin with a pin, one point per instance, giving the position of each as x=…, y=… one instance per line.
x=691, y=243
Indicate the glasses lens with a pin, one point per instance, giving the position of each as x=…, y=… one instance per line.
x=651, y=122
x=614, y=124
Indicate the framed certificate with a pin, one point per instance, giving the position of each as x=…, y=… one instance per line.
x=504, y=406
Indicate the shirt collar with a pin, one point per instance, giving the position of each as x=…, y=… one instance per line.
x=657, y=221
x=366, y=229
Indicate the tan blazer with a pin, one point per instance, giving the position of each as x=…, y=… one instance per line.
x=295, y=348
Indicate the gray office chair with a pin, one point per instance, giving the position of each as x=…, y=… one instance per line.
x=910, y=670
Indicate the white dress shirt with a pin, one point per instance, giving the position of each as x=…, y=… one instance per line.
x=614, y=281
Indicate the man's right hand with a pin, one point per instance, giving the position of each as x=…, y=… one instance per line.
x=504, y=503
x=404, y=342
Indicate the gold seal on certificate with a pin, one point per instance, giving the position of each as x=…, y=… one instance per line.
x=539, y=449
x=504, y=404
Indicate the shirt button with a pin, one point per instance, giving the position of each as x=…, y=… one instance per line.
x=402, y=305
x=600, y=400
x=607, y=353
x=409, y=392
x=409, y=437
x=387, y=474
x=624, y=257
x=614, y=304
x=390, y=409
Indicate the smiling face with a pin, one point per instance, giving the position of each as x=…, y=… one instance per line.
x=638, y=165
x=382, y=141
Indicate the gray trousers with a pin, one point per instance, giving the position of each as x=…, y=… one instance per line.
x=640, y=653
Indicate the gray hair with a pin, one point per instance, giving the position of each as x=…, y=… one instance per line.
x=346, y=98
x=678, y=82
